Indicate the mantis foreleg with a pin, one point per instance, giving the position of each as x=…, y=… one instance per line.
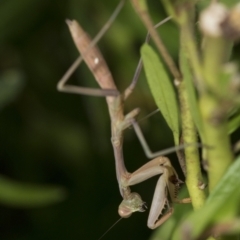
x=168, y=182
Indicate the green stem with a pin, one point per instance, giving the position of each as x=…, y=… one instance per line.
x=219, y=156
x=194, y=175
x=183, y=13
x=215, y=53
x=193, y=169
x=192, y=50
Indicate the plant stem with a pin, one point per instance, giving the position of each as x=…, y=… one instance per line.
x=191, y=50
x=141, y=8
x=193, y=169
x=214, y=116
x=194, y=175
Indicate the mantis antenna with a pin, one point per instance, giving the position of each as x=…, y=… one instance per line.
x=110, y=228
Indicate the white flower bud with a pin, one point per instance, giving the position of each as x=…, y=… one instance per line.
x=211, y=19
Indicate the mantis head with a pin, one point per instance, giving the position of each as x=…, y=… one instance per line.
x=133, y=203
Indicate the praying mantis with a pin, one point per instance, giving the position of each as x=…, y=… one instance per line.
x=168, y=180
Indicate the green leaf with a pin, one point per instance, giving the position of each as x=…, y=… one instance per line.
x=234, y=123
x=220, y=206
x=23, y=195
x=192, y=96
x=161, y=88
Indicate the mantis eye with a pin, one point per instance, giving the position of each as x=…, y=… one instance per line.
x=133, y=203
x=124, y=211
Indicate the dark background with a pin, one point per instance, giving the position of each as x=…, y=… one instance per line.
x=47, y=137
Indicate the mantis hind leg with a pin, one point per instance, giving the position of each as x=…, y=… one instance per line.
x=93, y=58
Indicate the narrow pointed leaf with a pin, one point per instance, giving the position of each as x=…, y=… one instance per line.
x=234, y=122
x=221, y=205
x=23, y=195
x=161, y=88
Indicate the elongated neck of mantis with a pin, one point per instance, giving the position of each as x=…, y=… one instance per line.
x=119, y=162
